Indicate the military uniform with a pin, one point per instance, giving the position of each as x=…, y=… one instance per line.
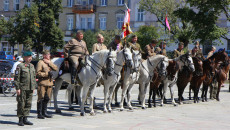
x=134, y=46
x=114, y=46
x=74, y=50
x=178, y=53
x=210, y=54
x=98, y=47
x=45, y=84
x=150, y=50
x=25, y=81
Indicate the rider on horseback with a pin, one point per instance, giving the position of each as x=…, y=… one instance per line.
x=75, y=50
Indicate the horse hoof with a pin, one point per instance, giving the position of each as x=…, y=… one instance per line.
x=175, y=105
x=155, y=105
x=143, y=108
x=82, y=114
x=58, y=111
x=105, y=111
x=117, y=104
x=110, y=111
x=150, y=106
x=162, y=105
x=92, y=114
x=122, y=109
x=71, y=108
x=130, y=108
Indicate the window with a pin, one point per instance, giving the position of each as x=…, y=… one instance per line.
x=120, y=20
x=90, y=23
x=90, y=2
x=70, y=23
x=84, y=2
x=120, y=2
x=27, y=2
x=16, y=6
x=102, y=23
x=140, y=15
x=83, y=23
x=69, y=3
x=103, y=2
x=6, y=5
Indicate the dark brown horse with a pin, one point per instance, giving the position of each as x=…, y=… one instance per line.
x=220, y=56
x=172, y=69
x=208, y=70
x=221, y=76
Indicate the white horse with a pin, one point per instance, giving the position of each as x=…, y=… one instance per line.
x=146, y=73
x=183, y=60
x=130, y=78
x=88, y=77
x=110, y=82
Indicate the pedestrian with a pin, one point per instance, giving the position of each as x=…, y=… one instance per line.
x=25, y=82
x=116, y=44
x=99, y=46
x=179, y=51
x=75, y=51
x=211, y=52
x=45, y=84
x=19, y=60
x=150, y=49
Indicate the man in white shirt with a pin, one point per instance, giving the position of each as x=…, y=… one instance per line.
x=20, y=60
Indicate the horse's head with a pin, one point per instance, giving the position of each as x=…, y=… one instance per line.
x=187, y=61
x=220, y=56
x=127, y=57
x=210, y=64
x=110, y=62
x=198, y=66
x=162, y=66
x=172, y=69
x=136, y=60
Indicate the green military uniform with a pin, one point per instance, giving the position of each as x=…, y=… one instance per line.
x=178, y=53
x=134, y=46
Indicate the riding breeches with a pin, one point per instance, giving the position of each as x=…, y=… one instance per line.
x=42, y=91
x=74, y=61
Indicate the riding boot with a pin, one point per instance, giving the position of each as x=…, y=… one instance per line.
x=20, y=123
x=39, y=110
x=26, y=122
x=44, y=109
x=73, y=75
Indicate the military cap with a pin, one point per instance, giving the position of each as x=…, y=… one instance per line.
x=181, y=43
x=99, y=36
x=27, y=53
x=154, y=41
x=45, y=52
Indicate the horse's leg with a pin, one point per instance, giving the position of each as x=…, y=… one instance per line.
x=154, y=96
x=111, y=91
x=172, y=94
x=69, y=90
x=206, y=94
x=163, y=93
x=143, y=93
x=218, y=91
x=84, y=96
x=78, y=93
x=150, y=94
x=106, y=90
x=129, y=96
x=115, y=92
x=124, y=90
x=58, y=83
x=190, y=92
x=91, y=96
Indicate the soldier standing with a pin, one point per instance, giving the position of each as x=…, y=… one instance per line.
x=133, y=44
x=45, y=83
x=75, y=50
x=179, y=51
x=25, y=82
x=99, y=46
x=116, y=45
x=151, y=48
x=211, y=52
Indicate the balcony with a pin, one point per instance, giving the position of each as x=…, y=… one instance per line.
x=84, y=9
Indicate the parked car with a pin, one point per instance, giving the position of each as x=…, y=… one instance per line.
x=7, y=55
x=58, y=54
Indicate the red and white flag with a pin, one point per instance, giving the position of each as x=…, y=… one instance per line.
x=167, y=23
x=126, y=30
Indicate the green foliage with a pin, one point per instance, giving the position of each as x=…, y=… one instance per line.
x=146, y=34
x=3, y=27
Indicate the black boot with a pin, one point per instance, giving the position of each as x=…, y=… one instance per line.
x=20, y=123
x=39, y=110
x=26, y=122
x=44, y=109
x=73, y=75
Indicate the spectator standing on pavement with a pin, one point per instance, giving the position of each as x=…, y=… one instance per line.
x=19, y=60
x=45, y=83
x=25, y=82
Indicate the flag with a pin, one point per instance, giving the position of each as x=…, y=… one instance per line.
x=126, y=30
x=167, y=23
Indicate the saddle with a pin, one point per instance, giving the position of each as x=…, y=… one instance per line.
x=67, y=66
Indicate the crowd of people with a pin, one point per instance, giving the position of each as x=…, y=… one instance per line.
x=75, y=50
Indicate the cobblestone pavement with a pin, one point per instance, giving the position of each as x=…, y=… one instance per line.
x=203, y=115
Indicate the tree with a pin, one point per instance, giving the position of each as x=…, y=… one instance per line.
x=3, y=27
x=204, y=19
x=50, y=34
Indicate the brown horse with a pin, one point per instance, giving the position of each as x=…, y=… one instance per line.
x=220, y=56
x=172, y=69
x=198, y=78
x=221, y=76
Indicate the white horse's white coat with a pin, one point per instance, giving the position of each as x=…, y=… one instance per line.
x=88, y=78
x=146, y=73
